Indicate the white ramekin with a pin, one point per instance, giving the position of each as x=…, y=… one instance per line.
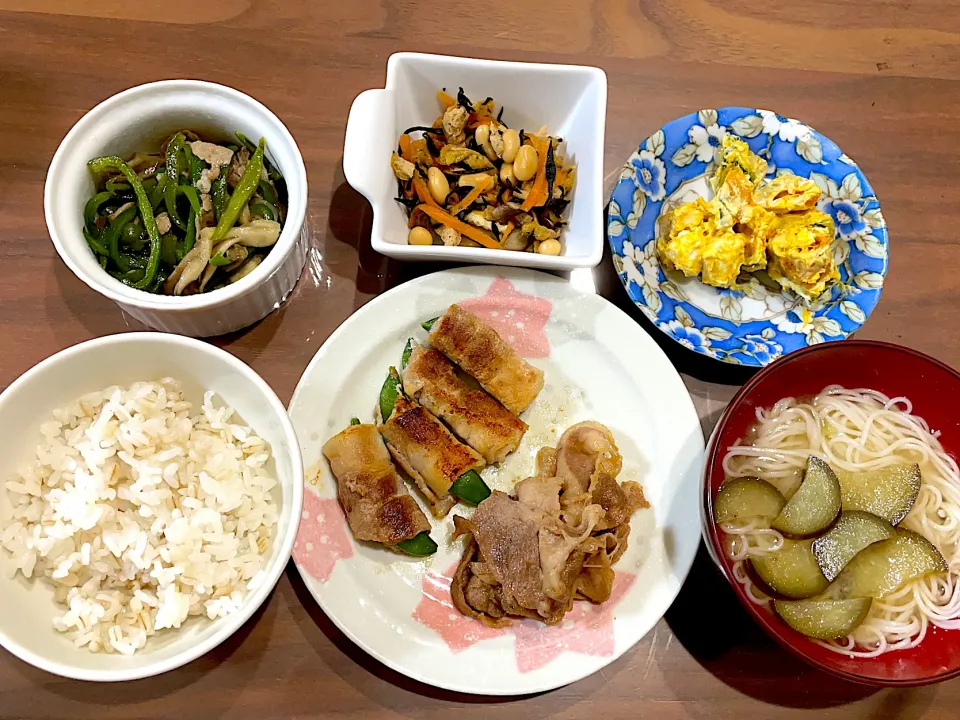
x=571, y=100
x=27, y=608
x=139, y=119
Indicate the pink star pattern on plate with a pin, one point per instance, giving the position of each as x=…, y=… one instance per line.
x=520, y=319
x=436, y=611
x=586, y=629
x=322, y=538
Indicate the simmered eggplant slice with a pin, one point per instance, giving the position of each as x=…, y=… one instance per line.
x=823, y=619
x=815, y=504
x=853, y=531
x=889, y=492
x=791, y=571
x=886, y=566
x=742, y=500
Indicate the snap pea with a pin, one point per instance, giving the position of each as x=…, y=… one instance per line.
x=174, y=150
x=354, y=421
x=407, y=351
x=470, y=487
x=102, y=164
x=419, y=545
x=389, y=393
x=241, y=194
x=92, y=209
x=428, y=325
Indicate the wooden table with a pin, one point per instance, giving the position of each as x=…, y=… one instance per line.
x=880, y=78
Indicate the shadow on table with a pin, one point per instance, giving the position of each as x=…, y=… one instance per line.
x=243, y=649
x=343, y=644
x=714, y=628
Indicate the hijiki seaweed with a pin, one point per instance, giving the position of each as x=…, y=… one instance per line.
x=471, y=180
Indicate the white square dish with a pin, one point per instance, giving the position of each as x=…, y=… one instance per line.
x=571, y=100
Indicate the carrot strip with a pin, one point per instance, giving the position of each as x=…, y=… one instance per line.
x=471, y=197
x=406, y=148
x=442, y=216
x=422, y=192
x=511, y=226
x=538, y=193
x=445, y=99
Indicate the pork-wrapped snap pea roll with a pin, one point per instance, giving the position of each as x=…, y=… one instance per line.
x=442, y=467
x=482, y=353
x=475, y=417
x=373, y=496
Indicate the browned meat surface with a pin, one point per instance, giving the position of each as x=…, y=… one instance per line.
x=427, y=451
x=473, y=415
x=555, y=541
x=374, y=498
x=481, y=353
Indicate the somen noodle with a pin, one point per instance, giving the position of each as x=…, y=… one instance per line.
x=856, y=431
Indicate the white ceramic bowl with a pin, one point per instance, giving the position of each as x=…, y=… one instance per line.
x=139, y=119
x=571, y=100
x=27, y=608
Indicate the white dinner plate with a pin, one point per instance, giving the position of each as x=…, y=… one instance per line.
x=599, y=365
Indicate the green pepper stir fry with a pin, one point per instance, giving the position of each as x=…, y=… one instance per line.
x=191, y=218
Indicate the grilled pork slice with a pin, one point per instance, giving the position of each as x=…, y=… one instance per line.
x=427, y=451
x=533, y=554
x=475, y=417
x=376, y=502
x=481, y=353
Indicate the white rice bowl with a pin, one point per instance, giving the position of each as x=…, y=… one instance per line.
x=29, y=606
x=142, y=512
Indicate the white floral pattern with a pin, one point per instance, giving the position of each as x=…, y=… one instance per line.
x=754, y=324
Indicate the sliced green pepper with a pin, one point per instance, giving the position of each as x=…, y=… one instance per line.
x=170, y=201
x=191, y=194
x=98, y=247
x=428, y=325
x=246, y=141
x=189, y=238
x=92, y=209
x=174, y=149
x=407, y=352
x=268, y=192
x=111, y=238
x=470, y=487
x=419, y=545
x=261, y=209
x=193, y=163
x=241, y=194
x=101, y=164
x=168, y=250
x=220, y=260
x=116, y=185
x=221, y=195
x=354, y=421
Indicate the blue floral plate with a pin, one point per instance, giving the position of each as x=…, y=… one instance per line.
x=755, y=324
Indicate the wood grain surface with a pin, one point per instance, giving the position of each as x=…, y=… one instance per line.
x=880, y=77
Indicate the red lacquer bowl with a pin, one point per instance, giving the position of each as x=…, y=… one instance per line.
x=934, y=390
